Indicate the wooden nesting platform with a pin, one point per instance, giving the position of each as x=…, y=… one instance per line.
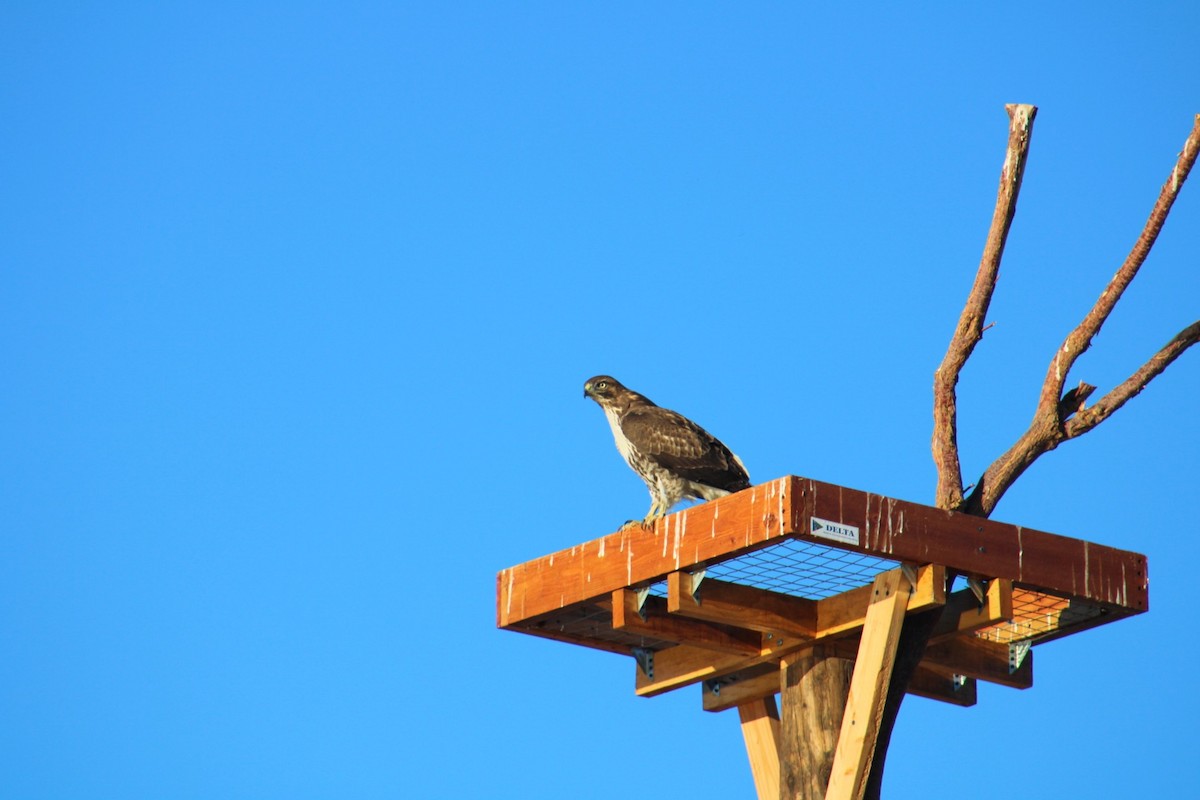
x=720, y=592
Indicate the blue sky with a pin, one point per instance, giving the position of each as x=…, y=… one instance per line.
x=296, y=305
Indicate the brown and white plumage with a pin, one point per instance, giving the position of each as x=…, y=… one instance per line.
x=675, y=457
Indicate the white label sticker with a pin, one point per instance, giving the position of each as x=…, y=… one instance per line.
x=823, y=528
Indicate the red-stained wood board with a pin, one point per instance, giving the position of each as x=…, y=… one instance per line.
x=1054, y=585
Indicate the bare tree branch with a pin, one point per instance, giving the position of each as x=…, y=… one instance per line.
x=919, y=627
x=970, y=323
x=1080, y=339
x=1059, y=416
x=1089, y=418
x=1050, y=427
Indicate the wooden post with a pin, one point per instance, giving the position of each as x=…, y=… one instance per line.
x=760, y=728
x=814, y=684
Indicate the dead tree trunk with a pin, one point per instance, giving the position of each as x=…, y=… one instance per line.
x=814, y=685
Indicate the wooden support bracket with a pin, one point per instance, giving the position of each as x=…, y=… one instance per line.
x=760, y=729
x=868, y=687
x=845, y=613
x=728, y=604
x=684, y=665
x=979, y=658
x=743, y=606
x=654, y=621
x=759, y=682
x=740, y=606
x=964, y=614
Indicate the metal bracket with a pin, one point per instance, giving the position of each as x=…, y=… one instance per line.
x=1016, y=654
x=642, y=594
x=697, y=579
x=910, y=572
x=713, y=685
x=645, y=660
x=957, y=681
x=976, y=587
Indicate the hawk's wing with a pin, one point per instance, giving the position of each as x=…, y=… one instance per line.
x=676, y=443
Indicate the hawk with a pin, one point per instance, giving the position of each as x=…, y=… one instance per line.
x=673, y=455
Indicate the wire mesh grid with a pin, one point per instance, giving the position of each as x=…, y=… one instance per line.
x=815, y=571
x=798, y=568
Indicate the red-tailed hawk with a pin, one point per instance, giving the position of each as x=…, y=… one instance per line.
x=673, y=455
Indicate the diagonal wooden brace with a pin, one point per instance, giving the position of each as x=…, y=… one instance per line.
x=760, y=729
x=868, y=687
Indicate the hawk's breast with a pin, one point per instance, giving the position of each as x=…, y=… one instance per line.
x=623, y=445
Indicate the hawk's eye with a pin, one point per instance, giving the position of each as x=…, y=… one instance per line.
x=602, y=385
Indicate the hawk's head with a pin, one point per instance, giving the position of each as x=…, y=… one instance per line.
x=608, y=392
x=604, y=389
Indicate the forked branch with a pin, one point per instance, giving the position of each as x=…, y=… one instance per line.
x=1091, y=417
x=1059, y=416
x=1080, y=339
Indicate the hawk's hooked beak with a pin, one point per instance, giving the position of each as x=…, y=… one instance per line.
x=587, y=390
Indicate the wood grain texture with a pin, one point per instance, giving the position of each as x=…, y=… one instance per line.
x=971, y=545
x=814, y=687
x=636, y=556
x=763, y=681
x=659, y=624
x=868, y=687
x=744, y=606
x=765, y=514
x=760, y=730
x=964, y=614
